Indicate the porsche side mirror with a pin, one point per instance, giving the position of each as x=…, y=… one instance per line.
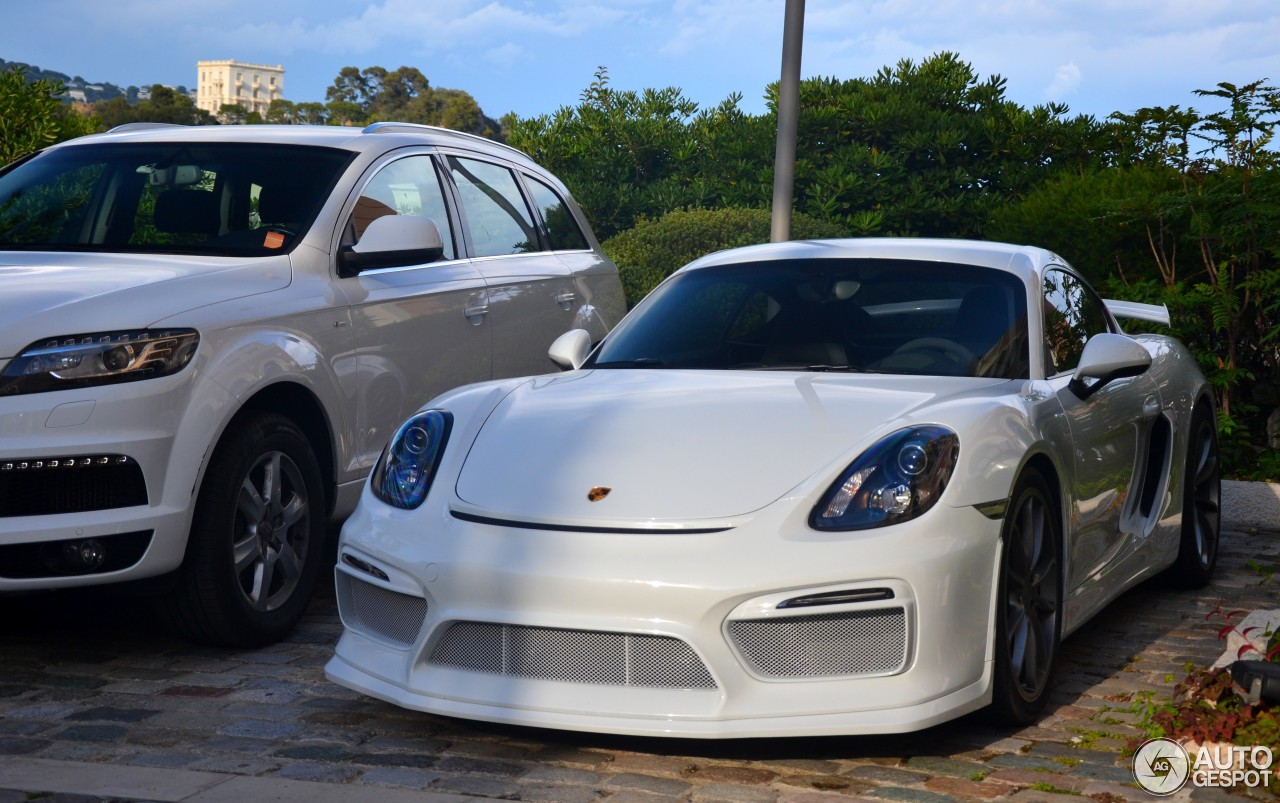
x=570, y=350
x=1108, y=357
x=392, y=241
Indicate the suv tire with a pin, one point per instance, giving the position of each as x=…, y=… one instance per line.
x=256, y=541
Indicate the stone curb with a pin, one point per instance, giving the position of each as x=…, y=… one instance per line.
x=154, y=785
x=1248, y=506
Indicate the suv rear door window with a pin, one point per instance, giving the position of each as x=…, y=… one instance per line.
x=496, y=215
x=558, y=225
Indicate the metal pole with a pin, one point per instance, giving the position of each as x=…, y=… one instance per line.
x=784, y=160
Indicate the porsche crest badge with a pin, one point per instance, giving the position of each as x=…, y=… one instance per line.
x=597, y=493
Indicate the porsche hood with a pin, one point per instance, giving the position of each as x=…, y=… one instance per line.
x=642, y=448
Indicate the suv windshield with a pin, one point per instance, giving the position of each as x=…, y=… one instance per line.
x=874, y=315
x=228, y=199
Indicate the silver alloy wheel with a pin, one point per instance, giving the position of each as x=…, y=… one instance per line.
x=1206, y=492
x=1032, y=598
x=272, y=525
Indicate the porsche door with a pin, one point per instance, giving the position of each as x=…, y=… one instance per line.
x=1108, y=428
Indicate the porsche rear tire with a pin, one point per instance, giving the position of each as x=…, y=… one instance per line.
x=1201, y=504
x=1028, y=602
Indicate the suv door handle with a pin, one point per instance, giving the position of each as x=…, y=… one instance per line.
x=476, y=312
x=565, y=300
x=1150, y=407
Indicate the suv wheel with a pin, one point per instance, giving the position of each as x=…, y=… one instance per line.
x=256, y=540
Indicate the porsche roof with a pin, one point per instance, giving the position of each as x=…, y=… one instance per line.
x=1020, y=259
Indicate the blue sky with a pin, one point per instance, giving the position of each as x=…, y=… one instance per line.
x=533, y=56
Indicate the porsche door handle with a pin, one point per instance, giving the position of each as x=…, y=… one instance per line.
x=565, y=300
x=1151, y=407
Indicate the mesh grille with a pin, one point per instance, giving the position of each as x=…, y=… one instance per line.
x=572, y=656
x=826, y=645
x=373, y=609
x=46, y=487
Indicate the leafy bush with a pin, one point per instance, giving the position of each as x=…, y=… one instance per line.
x=31, y=116
x=654, y=249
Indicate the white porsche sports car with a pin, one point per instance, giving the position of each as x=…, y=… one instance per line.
x=826, y=487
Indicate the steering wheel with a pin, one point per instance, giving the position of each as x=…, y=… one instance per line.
x=948, y=348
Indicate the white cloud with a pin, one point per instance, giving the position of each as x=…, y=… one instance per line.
x=1065, y=81
x=438, y=26
x=508, y=55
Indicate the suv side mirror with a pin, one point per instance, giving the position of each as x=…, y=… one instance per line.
x=392, y=241
x=570, y=350
x=1107, y=357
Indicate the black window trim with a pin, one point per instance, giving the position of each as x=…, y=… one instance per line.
x=443, y=155
x=1113, y=327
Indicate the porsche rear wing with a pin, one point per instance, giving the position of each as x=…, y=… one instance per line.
x=1157, y=313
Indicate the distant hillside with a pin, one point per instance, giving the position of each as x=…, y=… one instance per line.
x=79, y=89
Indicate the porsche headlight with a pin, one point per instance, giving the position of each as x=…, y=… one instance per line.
x=103, y=358
x=404, y=473
x=897, y=479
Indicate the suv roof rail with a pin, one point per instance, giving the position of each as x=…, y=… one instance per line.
x=392, y=127
x=143, y=126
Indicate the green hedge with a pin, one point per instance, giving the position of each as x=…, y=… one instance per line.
x=654, y=249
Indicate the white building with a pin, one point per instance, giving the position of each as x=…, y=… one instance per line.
x=230, y=82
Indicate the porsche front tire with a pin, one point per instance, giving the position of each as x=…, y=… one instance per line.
x=1028, y=602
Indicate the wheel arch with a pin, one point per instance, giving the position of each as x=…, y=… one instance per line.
x=297, y=403
x=1045, y=466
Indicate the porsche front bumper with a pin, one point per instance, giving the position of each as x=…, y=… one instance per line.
x=765, y=629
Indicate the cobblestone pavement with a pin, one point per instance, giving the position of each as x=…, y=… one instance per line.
x=90, y=689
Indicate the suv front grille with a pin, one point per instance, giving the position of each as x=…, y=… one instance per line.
x=48, y=486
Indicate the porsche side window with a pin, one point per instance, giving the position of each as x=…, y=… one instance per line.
x=496, y=215
x=408, y=186
x=1072, y=315
x=558, y=225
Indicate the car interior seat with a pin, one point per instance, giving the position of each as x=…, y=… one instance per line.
x=982, y=319
x=181, y=211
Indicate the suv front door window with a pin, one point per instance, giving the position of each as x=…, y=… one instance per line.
x=419, y=329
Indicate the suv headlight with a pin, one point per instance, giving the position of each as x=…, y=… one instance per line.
x=896, y=480
x=103, y=358
x=404, y=473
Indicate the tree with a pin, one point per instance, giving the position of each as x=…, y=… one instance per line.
x=403, y=95
x=627, y=155
x=165, y=105
x=917, y=149
x=31, y=116
x=232, y=113
x=1191, y=219
x=928, y=148
x=282, y=111
x=654, y=249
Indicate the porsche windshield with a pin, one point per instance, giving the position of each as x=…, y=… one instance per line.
x=228, y=199
x=856, y=314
